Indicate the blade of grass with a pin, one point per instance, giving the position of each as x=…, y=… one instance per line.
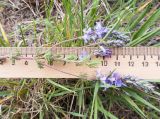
x=144, y=5
x=5, y=93
x=95, y=108
x=156, y=45
x=60, y=86
x=2, y=42
x=155, y=16
x=76, y=114
x=144, y=38
x=129, y=102
x=105, y=112
x=140, y=99
x=135, y=22
x=94, y=97
x=4, y=35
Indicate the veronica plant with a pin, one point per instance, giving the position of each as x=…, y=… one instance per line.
x=97, y=35
x=99, y=32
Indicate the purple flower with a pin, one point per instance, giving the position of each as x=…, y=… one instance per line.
x=116, y=75
x=116, y=39
x=103, y=79
x=103, y=51
x=83, y=55
x=116, y=43
x=100, y=30
x=110, y=80
x=93, y=34
x=114, y=79
x=98, y=73
x=88, y=35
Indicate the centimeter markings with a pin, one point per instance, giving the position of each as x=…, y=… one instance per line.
x=117, y=52
x=143, y=62
x=69, y=50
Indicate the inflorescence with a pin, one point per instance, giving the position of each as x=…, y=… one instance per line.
x=116, y=80
x=99, y=32
x=114, y=39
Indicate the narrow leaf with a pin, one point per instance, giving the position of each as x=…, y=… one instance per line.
x=4, y=35
x=60, y=86
x=133, y=105
x=147, y=24
x=140, y=99
x=144, y=38
x=135, y=22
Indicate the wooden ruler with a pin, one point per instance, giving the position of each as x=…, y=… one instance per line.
x=142, y=62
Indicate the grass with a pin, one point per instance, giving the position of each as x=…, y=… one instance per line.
x=54, y=21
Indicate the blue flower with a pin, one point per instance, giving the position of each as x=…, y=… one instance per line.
x=116, y=43
x=98, y=73
x=100, y=30
x=110, y=80
x=103, y=51
x=115, y=38
x=114, y=79
x=83, y=55
x=89, y=34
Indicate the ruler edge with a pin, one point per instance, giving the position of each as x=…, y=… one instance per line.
x=115, y=51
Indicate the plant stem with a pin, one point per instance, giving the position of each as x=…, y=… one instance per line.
x=74, y=39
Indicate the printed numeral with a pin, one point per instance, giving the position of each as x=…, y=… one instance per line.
x=117, y=64
x=26, y=63
x=131, y=64
x=158, y=64
x=145, y=64
x=104, y=63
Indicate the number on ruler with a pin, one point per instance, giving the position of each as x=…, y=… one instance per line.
x=145, y=64
x=117, y=64
x=158, y=64
x=104, y=63
x=131, y=64
x=26, y=63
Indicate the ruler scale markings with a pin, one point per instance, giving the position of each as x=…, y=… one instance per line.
x=59, y=50
x=123, y=52
x=18, y=70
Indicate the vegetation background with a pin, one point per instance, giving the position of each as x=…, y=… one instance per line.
x=47, y=22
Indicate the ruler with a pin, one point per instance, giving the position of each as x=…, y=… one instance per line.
x=142, y=62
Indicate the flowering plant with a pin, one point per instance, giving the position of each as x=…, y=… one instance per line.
x=117, y=81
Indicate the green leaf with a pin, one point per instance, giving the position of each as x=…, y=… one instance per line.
x=156, y=45
x=60, y=86
x=49, y=57
x=93, y=63
x=144, y=38
x=71, y=57
x=2, y=42
x=157, y=93
x=4, y=35
x=140, y=99
x=133, y=105
x=94, y=97
x=93, y=10
x=105, y=112
x=76, y=114
x=155, y=16
x=135, y=22
x=5, y=93
x=95, y=109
